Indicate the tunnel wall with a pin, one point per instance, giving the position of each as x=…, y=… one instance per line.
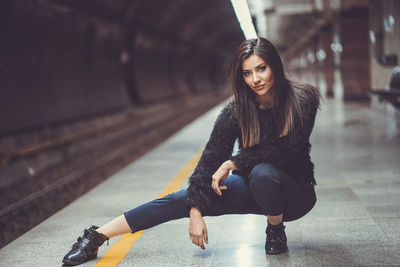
x=62, y=60
x=58, y=65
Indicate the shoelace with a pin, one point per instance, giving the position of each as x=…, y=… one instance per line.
x=79, y=240
x=273, y=234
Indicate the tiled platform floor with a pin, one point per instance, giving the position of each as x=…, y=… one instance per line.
x=356, y=221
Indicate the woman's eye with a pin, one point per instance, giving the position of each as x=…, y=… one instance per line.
x=245, y=74
x=262, y=68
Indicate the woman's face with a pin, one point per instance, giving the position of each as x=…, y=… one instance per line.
x=258, y=75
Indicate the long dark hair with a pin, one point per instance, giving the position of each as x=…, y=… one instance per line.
x=288, y=97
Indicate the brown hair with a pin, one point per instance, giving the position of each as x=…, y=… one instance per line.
x=288, y=96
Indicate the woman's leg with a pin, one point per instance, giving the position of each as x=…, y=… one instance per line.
x=280, y=197
x=271, y=192
x=275, y=220
x=279, y=194
x=157, y=211
x=145, y=216
x=118, y=226
x=236, y=199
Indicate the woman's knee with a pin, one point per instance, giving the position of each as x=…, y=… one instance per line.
x=235, y=183
x=264, y=173
x=238, y=191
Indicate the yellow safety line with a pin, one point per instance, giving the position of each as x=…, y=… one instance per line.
x=118, y=251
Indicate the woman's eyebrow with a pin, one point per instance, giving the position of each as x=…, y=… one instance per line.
x=259, y=65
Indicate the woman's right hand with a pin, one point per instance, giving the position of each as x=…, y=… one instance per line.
x=197, y=228
x=220, y=175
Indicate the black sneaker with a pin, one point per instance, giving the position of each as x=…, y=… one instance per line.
x=276, y=239
x=86, y=247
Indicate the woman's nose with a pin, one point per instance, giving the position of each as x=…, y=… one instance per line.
x=256, y=79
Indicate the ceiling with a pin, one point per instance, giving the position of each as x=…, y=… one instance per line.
x=207, y=24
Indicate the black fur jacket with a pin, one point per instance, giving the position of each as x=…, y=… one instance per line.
x=291, y=153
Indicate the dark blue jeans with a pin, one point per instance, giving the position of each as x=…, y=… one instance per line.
x=268, y=191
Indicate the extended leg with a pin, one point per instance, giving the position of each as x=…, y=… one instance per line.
x=145, y=216
x=170, y=207
x=237, y=199
x=118, y=226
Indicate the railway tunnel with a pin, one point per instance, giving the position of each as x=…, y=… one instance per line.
x=88, y=86
x=105, y=104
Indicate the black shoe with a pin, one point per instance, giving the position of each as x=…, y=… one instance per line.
x=86, y=247
x=276, y=239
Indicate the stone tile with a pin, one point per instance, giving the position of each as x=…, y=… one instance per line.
x=349, y=232
x=255, y=256
x=335, y=193
x=345, y=254
x=384, y=211
x=370, y=177
x=168, y=245
x=326, y=211
x=391, y=227
x=377, y=189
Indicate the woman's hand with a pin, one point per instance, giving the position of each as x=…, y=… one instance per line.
x=197, y=228
x=220, y=175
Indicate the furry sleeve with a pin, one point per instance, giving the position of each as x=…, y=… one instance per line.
x=218, y=149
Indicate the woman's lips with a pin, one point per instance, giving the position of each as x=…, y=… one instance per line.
x=259, y=87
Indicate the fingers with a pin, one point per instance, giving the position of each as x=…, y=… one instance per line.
x=219, y=193
x=223, y=187
x=198, y=241
x=194, y=241
x=217, y=179
x=215, y=186
x=218, y=189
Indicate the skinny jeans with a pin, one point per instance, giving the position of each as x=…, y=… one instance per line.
x=268, y=191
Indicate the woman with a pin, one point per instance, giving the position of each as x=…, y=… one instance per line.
x=272, y=174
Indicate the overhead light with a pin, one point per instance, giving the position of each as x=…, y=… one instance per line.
x=336, y=47
x=243, y=15
x=321, y=55
x=388, y=23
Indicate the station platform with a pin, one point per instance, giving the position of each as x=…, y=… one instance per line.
x=356, y=221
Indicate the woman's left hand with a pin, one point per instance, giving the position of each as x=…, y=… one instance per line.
x=220, y=175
